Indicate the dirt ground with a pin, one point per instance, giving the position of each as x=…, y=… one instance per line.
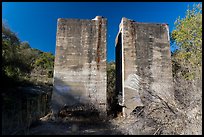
x=73, y=123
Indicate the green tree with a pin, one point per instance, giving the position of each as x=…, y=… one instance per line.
x=24, y=45
x=188, y=37
x=10, y=62
x=45, y=61
x=20, y=61
x=9, y=36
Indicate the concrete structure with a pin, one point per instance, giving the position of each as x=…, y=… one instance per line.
x=143, y=64
x=80, y=63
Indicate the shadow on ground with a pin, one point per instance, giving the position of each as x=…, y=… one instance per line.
x=73, y=122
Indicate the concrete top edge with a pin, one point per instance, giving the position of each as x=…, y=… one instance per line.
x=96, y=18
x=155, y=23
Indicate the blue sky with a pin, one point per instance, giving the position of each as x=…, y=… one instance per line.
x=36, y=22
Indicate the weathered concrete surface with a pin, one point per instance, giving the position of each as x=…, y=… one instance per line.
x=80, y=63
x=143, y=64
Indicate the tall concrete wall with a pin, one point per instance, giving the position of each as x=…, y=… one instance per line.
x=80, y=63
x=143, y=64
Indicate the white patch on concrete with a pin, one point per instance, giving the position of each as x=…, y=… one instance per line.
x=96, y=18
x=167, y=28
x=123, y=95
x=132, y=82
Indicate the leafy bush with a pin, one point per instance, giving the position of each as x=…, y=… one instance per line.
x=19, y=59
x=188, y=38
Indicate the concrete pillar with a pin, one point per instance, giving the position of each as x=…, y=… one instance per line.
x=80, y=63
x=143, y=64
